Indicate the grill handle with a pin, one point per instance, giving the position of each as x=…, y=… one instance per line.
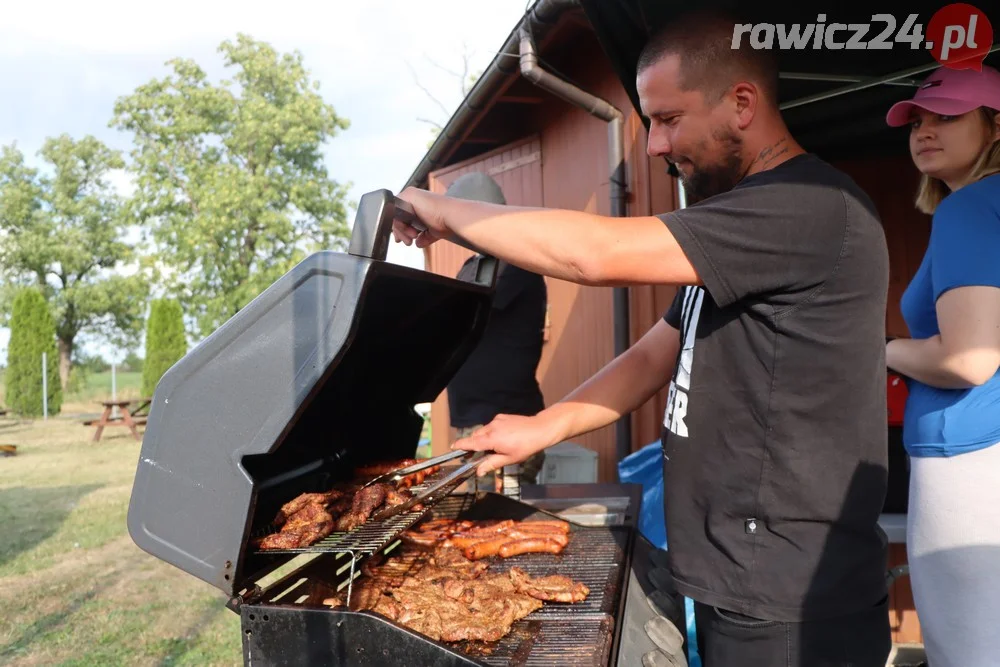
x=373, y=230
x=486, y=268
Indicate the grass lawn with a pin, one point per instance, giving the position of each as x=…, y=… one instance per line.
x=74, y=589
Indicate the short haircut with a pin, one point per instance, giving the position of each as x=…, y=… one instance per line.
x=708, y=62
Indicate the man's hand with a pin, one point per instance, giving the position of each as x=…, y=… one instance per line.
x=425, y=205
x=512, y=439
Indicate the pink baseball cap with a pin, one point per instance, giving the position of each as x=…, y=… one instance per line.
x=951, y=92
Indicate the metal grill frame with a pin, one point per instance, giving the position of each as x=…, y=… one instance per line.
x=354, y=628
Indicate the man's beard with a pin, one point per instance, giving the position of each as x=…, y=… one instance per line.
x=708, y=181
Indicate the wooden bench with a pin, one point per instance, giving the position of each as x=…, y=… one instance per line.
x=130, y=417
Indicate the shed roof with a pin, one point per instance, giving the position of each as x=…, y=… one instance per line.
x=834, y=100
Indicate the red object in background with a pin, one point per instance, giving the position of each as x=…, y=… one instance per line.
x=896, y=394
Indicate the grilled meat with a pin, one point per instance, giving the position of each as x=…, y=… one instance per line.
x=395, y=497
x=280, y=541
x=313, y=516
x=293, y=506
x=309, y=514
x=371, y=470
x=316, y=531
x=310, y=517
x=449, y=598
x=485, y=613
x=533, y=545
x=365, y=502
x=307, y=526
x=493, y=538
x=552, y=588
x=554, y=525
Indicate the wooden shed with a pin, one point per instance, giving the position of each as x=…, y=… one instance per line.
x=546, y=147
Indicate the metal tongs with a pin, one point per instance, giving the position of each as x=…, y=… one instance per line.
x=400, y=473
x=453, y=479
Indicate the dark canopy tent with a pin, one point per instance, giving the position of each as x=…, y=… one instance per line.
x=850, y=123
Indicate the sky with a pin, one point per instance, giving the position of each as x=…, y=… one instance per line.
x=64, y=64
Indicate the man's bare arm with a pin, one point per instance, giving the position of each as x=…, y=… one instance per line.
x=622, y=386
x=576, y=246
x=616, y=391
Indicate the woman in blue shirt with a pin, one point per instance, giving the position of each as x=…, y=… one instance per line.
x=952, y=419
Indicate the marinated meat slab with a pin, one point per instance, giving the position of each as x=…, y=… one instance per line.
x=450, y=598
x=364, y=503
x=309, y=517
x=309, y=524
x=552, y=588
x=298, y=503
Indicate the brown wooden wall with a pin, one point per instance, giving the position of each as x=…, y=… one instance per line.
x=517, y=168
x=565, y=165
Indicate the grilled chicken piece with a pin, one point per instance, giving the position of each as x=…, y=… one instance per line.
x=307, y=515
x=304, y=528
x=364, y=503
x=298, y=503
x=308, y=524
x=395, y=497
x=314, y=532
x=280, y=541
x=552, y=588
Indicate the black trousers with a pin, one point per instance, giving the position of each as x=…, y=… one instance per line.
x=728, y=639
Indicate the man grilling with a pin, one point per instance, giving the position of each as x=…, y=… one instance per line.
x=499, y=375
x=774, y=436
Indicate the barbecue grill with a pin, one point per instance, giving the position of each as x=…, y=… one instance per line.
x=316, y=376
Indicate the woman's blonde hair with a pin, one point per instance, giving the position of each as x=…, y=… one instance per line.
x=933, y=190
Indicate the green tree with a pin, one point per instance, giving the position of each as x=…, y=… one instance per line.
x=32, y=332
x=165, y=342
x=63, y=233
x=230, y=176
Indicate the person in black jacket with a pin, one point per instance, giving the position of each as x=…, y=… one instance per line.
x=499, y=375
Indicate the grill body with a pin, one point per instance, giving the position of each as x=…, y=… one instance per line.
x=288, y=625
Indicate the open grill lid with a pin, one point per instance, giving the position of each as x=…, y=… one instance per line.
x=319, y=373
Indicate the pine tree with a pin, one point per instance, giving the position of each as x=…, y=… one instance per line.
x=32, y=332
x=165, y=342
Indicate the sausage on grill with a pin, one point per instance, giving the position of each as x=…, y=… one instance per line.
x=531, y=545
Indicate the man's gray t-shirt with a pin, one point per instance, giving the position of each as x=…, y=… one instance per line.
x=775, y=432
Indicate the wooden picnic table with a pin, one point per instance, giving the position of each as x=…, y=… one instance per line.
x=133, y=413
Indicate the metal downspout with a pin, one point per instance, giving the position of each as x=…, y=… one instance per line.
x=615, y=119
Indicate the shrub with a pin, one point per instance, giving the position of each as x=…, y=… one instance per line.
x=165, y=342
x=32, y=332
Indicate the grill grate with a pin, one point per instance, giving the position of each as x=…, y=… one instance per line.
x=538, y=642
x=556, y=634
x=373, y=536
